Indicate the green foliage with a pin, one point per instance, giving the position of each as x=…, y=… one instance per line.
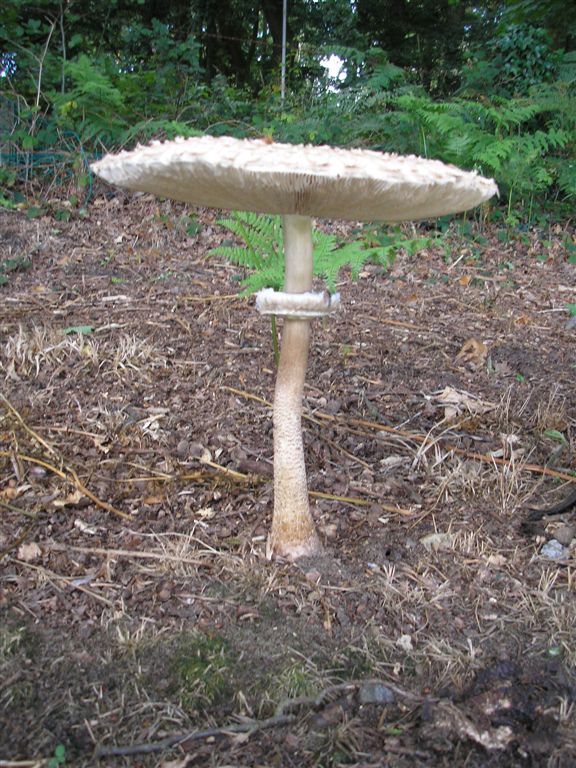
x=262, y=251
x=94, y=106
x=199, y=672
x=59, y=757
x=7, y=266
x=84, y=330
x=161, y=75
x=512, y=62
x=126, y=71
x=7, y=181
x=518, y=141
x=160, y=129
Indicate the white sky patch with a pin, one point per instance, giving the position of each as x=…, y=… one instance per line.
x=334, y=66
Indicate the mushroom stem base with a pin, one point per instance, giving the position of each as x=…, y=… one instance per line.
x=293, y=533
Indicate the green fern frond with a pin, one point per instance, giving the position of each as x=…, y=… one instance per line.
x=263, y=252
x=491, y=153
x=567, y=180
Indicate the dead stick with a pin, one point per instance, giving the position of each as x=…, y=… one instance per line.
x=129, y=553
x=26, y=428
x=51, y=575
x=423, y=440
x=72, y=477
x=181, y=738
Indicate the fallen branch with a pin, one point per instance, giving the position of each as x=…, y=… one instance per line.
x=280, y=718
x=179, y=739
x=252, y=479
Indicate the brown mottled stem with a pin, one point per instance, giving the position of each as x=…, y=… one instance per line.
x=293, y=533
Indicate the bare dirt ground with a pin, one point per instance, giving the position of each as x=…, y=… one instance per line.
x=141, y=624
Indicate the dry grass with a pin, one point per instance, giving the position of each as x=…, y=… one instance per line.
x=40, y=349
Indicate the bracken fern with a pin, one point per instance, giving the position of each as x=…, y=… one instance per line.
x=262, y=251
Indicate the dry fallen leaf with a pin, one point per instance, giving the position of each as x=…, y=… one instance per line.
x=405, y=642
x=70, y=500
x=151, y=500
x=456, y=402
x=497, y=560
x=10, y=492
x=434, y=542
x=473, y=353
x=85, y=528
x=29, y=552
x=205, y=513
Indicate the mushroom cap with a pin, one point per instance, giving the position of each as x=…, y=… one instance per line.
x=322, y=181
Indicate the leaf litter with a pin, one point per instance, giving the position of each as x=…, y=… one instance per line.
x=138, y=612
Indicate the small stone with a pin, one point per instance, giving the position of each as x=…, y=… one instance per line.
x=196, y=450
x=182, y=449
x=405, y=642
x=375, y=692
x=565, y=533
x=553, y=550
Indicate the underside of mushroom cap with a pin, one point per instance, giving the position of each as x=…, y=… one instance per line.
x=322, y=181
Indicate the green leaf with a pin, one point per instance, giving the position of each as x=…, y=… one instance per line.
x=15, y=265
x=28, y=142
x=59, y=757
x=34, y=212
x=554, y=434
x=571, y=309
x=83, y=329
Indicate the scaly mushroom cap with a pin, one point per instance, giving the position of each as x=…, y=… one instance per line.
x=327, y=182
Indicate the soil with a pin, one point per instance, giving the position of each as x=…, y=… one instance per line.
x=141, y=623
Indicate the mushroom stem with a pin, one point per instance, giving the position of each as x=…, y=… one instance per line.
x=293, y=533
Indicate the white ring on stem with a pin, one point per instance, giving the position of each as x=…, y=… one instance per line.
x=298, y=306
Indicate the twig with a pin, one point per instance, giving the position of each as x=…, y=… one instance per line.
x=25, y=426
x=177, y=739
x=99, y=503
x=225, y=471
x=315, y=702
x=247, y=395
x=66, y=474
x=214, y=297
x=361, y=502
x=50, y=575
x=422, y=439
x=13, y=508
x=129, y=553
x=72, y=477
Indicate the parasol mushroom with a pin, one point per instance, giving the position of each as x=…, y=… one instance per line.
x=298, y=182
